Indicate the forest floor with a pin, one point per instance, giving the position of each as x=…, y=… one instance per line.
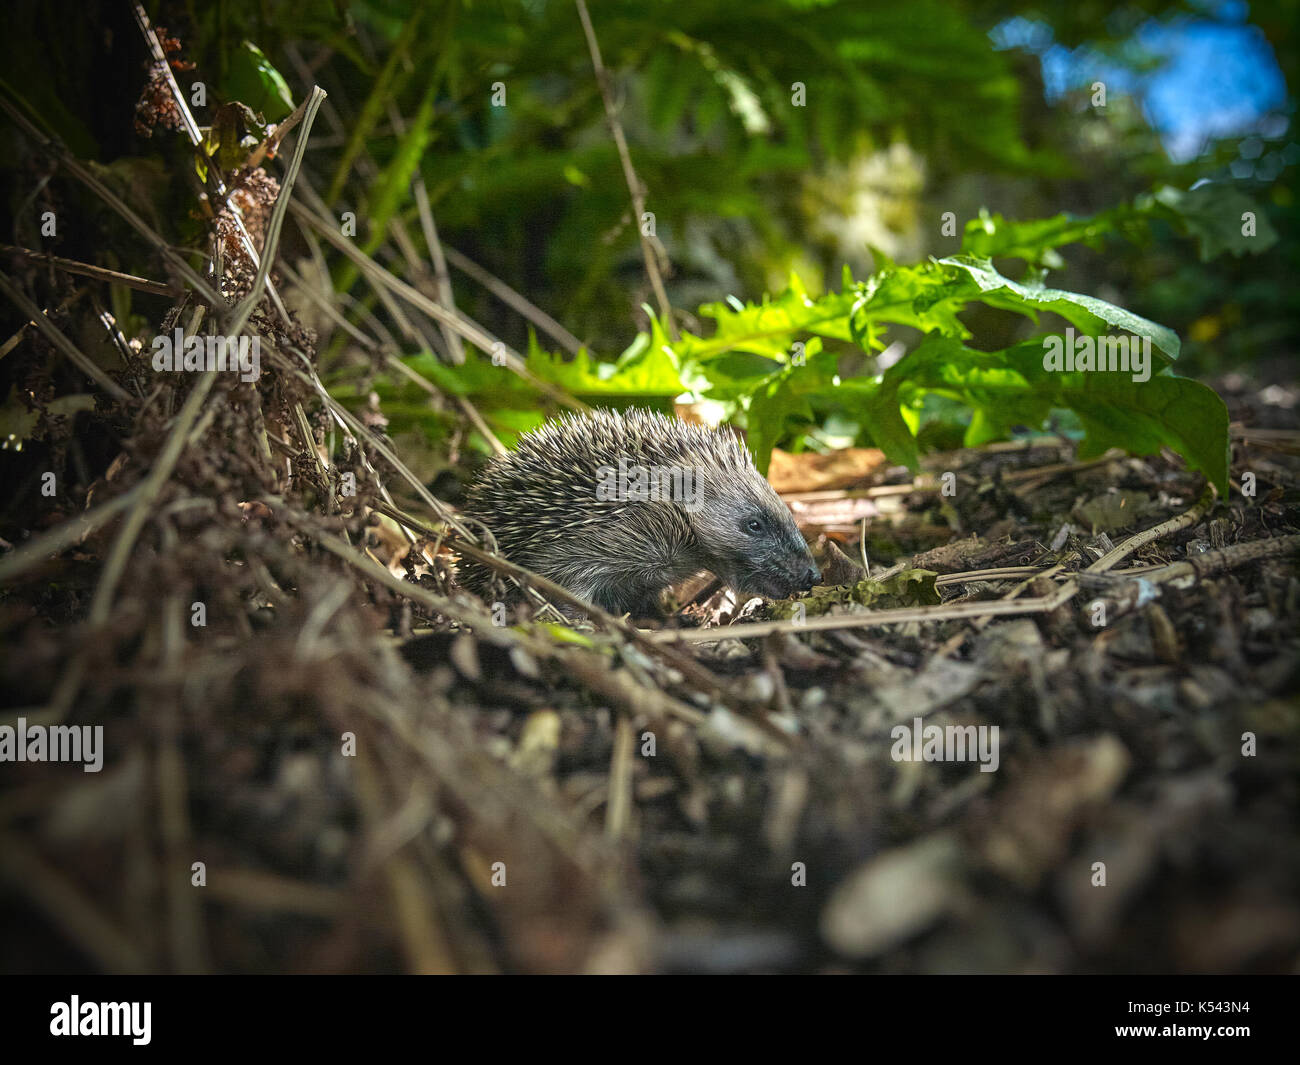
x=333, y=768
x=1041, y=717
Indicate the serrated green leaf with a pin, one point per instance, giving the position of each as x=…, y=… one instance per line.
x=1216, y=215
x=1086, y=312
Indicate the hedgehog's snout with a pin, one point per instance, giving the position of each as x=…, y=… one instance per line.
x=787, y=571
x=811, y=576
x=787, y=566
x=801, y=572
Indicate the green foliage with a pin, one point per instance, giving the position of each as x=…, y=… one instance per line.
x=1086, y=312
x=256, y=84
x=726, y=113
x=779, y=366
x=736, y=124
x=909, y=587
x=1214, y=214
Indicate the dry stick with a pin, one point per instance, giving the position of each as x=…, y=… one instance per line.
x=311, y=377
x=398, y=367
x=47, y=328
x=271, y=242
x=451, y=338
x=63, y=536
x=577, y=662
x=349, y=302
x=394, y=363
x=471, y=412
x=466, y=406
x=413, y=331
x=384, y=336
x=1246, y=432
x=619, y=807
x=1048, y=472
x=1191, y=570
x=100, y=273
x=1004, y=573
x=410, y=329
x=68, y=909
x=690, y=669
x=184, y=906
x=1115, y=555
x=466, y=327
x=629, y=174
x=322, y=469
x=511, y=298
x=422, y=936
x=998, y=608
x=124, y=349
x=271, y=142
x=150, y=488
x=160, y=59
x=215, y=178
x=927, y=482
x=366, y=168
x=69, y=162
x=544, y=322
x=254, y=889
x=16, y=339
x=345, y=419
x=1019, y=589
x=924, y=483
x=442, y=279
x=329, y=310
x=1286, y=441
x=371, y=270
x=359, y=432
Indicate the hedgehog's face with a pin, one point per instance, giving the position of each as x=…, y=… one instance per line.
x=752, y=543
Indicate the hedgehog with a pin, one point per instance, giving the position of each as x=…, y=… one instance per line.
x=617, y=506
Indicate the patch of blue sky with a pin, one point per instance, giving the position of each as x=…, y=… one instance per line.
x=1217, y=75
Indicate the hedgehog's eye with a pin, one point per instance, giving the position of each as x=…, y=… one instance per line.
x=754, y=526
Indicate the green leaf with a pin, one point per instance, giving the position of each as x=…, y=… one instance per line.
x=18, y=423
x=254, y=82
x=772, y=407
x=1013, y=387
x=1086, y=312
x=1137, y=416
x=1215, y=214
x=910, y=587
x=650, y=372
x=1035, y=241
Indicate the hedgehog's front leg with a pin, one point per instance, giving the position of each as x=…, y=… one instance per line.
x=639, y=599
